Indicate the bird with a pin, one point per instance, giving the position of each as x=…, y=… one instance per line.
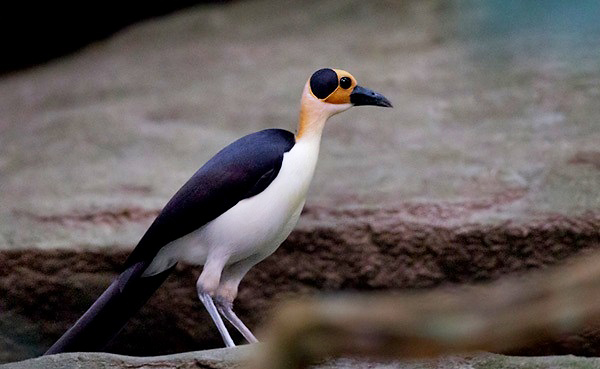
x=231, y=214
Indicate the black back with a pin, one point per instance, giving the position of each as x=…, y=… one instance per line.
x=241, y=170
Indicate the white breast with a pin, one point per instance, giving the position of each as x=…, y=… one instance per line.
x=253, y=227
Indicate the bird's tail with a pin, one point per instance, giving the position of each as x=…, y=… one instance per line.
x=107, y=316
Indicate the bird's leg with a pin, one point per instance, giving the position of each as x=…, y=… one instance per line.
x=214, y=314
x=226, y=309
x=206, y=285
x=227, y=292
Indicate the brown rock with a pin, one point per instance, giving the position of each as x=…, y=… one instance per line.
x=487, y=165
x=46, y=291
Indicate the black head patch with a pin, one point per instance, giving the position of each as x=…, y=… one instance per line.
x=323, y=82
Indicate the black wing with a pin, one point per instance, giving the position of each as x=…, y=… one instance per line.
x=241, y=170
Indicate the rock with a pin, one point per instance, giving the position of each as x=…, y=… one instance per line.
x=47, y=290
x=209, y=359
x=487, y=166
x=93, y=145
x=239, y=357
x=60, y=29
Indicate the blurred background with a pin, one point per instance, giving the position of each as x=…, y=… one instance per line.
x=489, y=164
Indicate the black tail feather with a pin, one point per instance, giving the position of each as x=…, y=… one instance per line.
x=107, y=316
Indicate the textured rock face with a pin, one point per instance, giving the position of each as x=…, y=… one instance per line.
x=209, y=359
x=490, y=123
x=239, y=357
x=46, y=291
x=488, y=165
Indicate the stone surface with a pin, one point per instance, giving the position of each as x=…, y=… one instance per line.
x=47, y=290
x=240, y=357
x=496, y=114
x=488, y=165
x=209, y=359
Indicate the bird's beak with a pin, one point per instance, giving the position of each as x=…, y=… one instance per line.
x=363, y=96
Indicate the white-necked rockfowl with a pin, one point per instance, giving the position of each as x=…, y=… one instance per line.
x=231, y=214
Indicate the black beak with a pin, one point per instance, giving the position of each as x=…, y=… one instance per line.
x=363, y=96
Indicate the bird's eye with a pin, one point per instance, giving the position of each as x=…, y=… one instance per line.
x=345, y=82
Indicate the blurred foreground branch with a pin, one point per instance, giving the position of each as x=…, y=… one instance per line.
x=497, y=317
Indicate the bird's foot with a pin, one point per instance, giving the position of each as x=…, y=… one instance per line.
x=225, y=307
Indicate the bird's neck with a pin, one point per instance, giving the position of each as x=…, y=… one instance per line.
x=313, y=115
x=310, y=124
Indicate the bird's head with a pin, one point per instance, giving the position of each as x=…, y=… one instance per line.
x=331, y=91
x=338, y=87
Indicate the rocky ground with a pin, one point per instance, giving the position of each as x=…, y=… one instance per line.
x=488, y=165
x=241, y=357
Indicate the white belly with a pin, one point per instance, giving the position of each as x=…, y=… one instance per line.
x=254, y=227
